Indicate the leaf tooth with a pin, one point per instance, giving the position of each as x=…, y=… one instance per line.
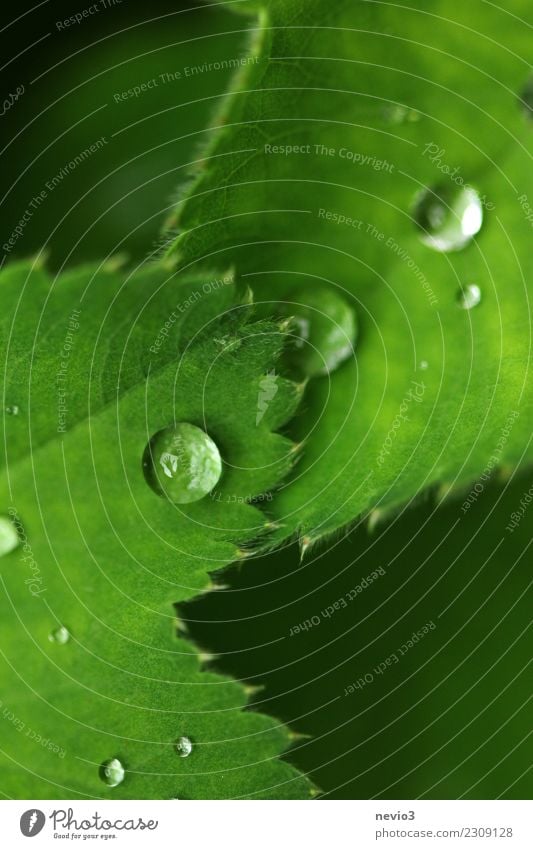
x=296, y=736
x=244, y=553
x=207, y=658
x=306, y=542
x=212, y=587
x=40, y=259
x=252, y=690
x=115, y=262
x=273, y=526
x=375, y=518
x=182, y=628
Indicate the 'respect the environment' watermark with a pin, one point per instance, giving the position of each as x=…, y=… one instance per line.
x=184, y=73
x=89, y=12
x=50, y=185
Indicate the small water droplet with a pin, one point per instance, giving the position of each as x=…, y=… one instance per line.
x=112, y=772
x=183, y=463
x=423, y=365
x=526, y=99
x=9, y=538
x=13, y=410
x=469, y=297
x=60, y=635
x=448, y=216
x=397, y=113
x=324, y=327
x=183, y=746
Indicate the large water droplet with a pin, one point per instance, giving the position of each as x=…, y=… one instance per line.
x=9, y=538
x=14, y=410
x=469, y=297
x=183, y=746
x=112, y=772
x=325, y=329
x=183, y=463
x=448, y=216
x=60, y=635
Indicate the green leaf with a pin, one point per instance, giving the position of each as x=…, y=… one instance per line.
x=349, y=112
x=445, y=715
x=92, y=666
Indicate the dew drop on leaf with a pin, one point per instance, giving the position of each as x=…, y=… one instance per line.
x=324, y=328
x=423, y=365
x=60, y=635
x=448, y=217
x=9, y=538
x=13, y=410
x=183, y=746
x=182, y=462
x=469, y=297
x=112, y=772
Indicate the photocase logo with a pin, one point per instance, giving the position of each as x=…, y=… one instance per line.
x=268, y=388
x=32, y=822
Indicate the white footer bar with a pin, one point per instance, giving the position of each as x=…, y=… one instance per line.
x=269, y=825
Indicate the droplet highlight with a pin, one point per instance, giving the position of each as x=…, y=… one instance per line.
x=60, y=635
x=324, y=330
x=448, y=217
x=183, y=746
x=112, y=772
x=182, y=463
x=469, y=297
x=9, y=538
x=13, y=410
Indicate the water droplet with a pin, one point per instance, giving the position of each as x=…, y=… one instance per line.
x=9, y=538
x=423, y=365
x=324, y=327
x=183, y=746
x=469, y=297
x=13, y=410
x=526, y=99
x=448, y=216
x=112, y=772
x=183, y=463
x=60, y=635
x=397, y=113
